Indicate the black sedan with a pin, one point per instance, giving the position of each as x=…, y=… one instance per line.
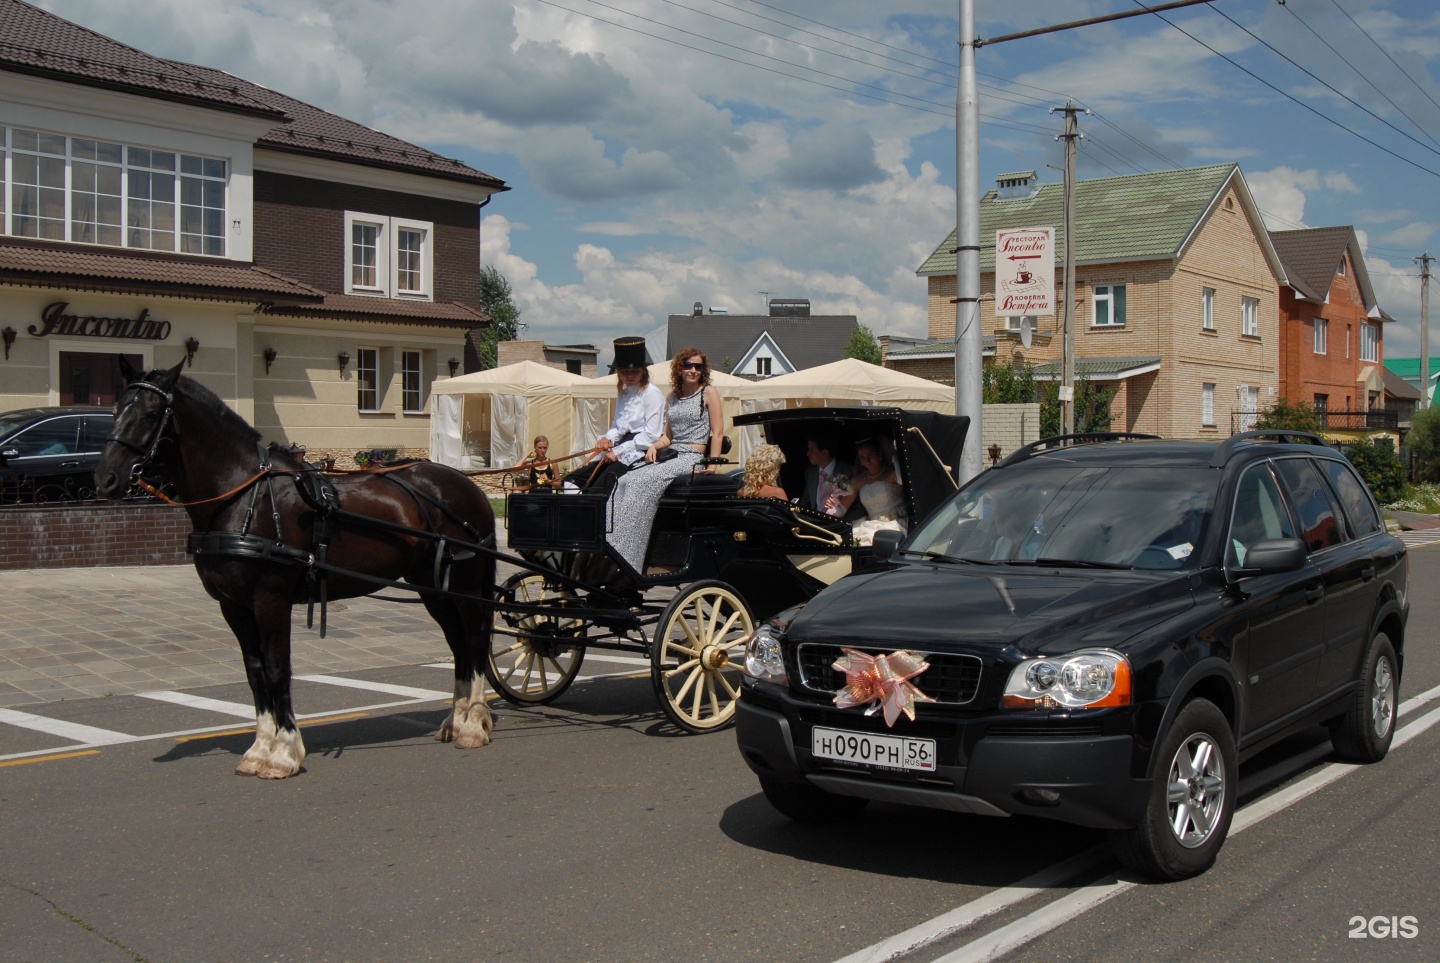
x=49, y=454
x=1096, y=632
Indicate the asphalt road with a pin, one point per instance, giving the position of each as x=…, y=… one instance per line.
x=591, y=830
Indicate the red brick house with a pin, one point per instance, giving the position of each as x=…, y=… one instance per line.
x=1331, y=332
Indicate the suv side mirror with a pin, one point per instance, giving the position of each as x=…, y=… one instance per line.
x=885, y=543
x=1271, y=556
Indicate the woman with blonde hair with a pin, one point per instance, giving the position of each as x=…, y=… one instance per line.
x=761, y=473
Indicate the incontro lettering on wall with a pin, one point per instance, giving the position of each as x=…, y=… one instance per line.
x=56, y=321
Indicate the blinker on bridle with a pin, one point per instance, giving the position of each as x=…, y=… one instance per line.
x=146, y=453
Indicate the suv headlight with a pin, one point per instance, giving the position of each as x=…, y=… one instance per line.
x=763, y=659
x=1088, y=679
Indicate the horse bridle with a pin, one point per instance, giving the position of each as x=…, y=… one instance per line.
x=146, y=453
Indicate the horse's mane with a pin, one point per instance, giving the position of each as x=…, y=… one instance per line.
x=211, y=402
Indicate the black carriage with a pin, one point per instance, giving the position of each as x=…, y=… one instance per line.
x=716, y=563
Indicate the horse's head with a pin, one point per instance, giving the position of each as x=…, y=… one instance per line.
x=143, y=416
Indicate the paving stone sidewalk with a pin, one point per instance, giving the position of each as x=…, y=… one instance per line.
x=83, y=633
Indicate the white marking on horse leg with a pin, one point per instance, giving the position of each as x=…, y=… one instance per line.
x=259, y=750
x=287, y=752
x=472, y=723
x=461, y=703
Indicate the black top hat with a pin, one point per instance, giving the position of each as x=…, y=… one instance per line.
x=630, y=353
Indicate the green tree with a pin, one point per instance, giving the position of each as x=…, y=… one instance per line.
x=1424, y=442
x=497, y=301
x=1004, y=384
x=1380, y=467
x=1289, y=415
x=862, y=345
x=1092, y=407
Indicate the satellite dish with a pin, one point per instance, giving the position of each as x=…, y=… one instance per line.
x=1027, y=330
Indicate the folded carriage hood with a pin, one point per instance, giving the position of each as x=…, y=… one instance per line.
x=975, y=607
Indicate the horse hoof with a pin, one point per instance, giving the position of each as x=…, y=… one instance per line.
x=275, y=772
x=446, y=733
x=478, y=741
x=247, y=769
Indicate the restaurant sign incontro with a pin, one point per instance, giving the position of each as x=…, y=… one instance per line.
x=1025, y=271
x=54, y=320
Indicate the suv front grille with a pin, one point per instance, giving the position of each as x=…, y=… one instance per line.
x=951, y=679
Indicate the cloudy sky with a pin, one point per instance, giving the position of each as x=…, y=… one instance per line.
x=663, y=152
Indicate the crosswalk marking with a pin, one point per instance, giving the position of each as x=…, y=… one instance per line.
x=1419, y=536
x=200, y=702
x=88, y=735
x=399, y=690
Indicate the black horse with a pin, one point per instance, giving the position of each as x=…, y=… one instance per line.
x=267, y=537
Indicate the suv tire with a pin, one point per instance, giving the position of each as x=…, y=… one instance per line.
x=804, y=803
x=1195, y=782
x=1364, y=732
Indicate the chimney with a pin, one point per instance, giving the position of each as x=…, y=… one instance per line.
x=1019, y=185
x=698, y=310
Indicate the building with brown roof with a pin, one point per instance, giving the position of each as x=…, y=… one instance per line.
x=318, y=274
x=1332, y=349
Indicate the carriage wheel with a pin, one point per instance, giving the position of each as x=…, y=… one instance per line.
x=533, y=657
x=696, y=657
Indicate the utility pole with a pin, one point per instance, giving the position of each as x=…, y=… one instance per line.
x=969, y=342
x=1424, y=261
x=1067, y=362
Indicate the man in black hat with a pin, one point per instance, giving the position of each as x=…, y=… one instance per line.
x=639, y=421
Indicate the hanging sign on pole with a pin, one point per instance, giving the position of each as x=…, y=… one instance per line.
x=1025, y=272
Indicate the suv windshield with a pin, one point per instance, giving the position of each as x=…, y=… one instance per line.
x=1146, y=518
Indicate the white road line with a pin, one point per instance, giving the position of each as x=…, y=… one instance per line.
x=977, y=909
x=1048, y=917
x=87, y=735
x=200, y=702
x=399, y=690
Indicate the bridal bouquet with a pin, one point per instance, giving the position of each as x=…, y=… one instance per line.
x=831, y=490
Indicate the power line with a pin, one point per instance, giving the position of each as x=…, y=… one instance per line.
x=882, y=43
x=1386, y=53
x=1334, y=91
x=1287, y=96
x=1359, y=73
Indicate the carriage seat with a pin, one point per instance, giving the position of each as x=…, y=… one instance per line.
x=705, y=486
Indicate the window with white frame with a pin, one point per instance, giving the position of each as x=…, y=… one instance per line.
x=762, y=366
x=1207, y=405
x=1370, y=342
x=1322, y=335
x=367, y=379
x=63, y=188
x=1109, y=305
x=412, y=399
x=1250, y=317
x=1207, y=309
x=388, y=256
x=1341, y=269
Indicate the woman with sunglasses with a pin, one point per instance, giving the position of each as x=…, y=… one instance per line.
x=694, y=429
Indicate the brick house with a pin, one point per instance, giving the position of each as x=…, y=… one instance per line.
x=1177, y=289
x=1332, y=349
x=317, y=274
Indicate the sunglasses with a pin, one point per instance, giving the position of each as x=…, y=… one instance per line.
x=693, y=365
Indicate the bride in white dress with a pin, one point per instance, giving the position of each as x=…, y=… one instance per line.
x=880, y=494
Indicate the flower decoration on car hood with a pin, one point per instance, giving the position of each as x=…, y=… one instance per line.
x=881, y=682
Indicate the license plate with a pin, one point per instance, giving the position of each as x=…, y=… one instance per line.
x=869, y=749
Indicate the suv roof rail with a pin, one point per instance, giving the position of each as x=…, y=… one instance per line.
x=1088, y=437
x=1282, y=435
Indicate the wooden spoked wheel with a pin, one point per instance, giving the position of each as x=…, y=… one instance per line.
x=697, y=654
x=533, y=656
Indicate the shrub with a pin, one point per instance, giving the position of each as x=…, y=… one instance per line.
x=1283, y=414
x=1424, y=442
x=1380, y=467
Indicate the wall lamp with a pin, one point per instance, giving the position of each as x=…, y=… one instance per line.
x=344, y=359
x=270, y=355
x=994, y=453
x=9, y=335
x=454, y=362
x=192, y=345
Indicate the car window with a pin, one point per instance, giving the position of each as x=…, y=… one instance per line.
x=1153, y=518
x=57, y=436
x=1319, y=521
x=97, y=429
x=1259, y=514
x=1354, y=498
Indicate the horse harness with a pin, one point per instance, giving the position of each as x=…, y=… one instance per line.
x=318, y=492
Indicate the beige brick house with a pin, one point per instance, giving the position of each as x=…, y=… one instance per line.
x=1176, y=295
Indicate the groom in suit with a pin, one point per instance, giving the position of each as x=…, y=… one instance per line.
x=823, y=467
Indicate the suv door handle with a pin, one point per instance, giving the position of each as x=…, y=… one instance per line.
x=1367, y=571
x=1314, y=593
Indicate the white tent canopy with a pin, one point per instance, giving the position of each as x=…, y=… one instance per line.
x=489, y=418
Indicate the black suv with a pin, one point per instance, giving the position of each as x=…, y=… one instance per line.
x=49, y=454
x=1111, y=625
